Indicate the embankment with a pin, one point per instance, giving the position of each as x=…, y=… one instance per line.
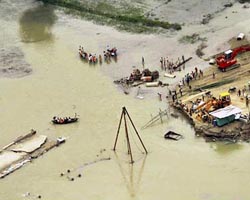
x=128, y=18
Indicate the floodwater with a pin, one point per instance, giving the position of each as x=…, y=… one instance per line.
x=61, y=84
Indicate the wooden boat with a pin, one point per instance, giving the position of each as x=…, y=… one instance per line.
x=65, y=120
x=172, y=136
x=83, y=55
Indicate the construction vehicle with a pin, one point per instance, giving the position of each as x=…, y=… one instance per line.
x=212, y=104
x=207, y=105
x=225, y=99
x=228, y=60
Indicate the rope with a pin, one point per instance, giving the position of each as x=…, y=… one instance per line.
x=134, y=138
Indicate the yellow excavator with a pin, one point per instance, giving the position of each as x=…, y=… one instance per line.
x=204, y=109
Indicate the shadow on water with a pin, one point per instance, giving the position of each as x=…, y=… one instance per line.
x=36, y=24
x=132, y=173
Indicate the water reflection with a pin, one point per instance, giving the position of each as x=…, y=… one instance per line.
x=133, y=175
x=36, y=23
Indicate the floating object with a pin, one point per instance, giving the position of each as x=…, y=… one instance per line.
x=169, y=75
x=65, y=120
x=23, y=150
x=60, y=140
x=152, y=84
x=172, y=136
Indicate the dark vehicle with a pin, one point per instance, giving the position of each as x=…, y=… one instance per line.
x=172, y=136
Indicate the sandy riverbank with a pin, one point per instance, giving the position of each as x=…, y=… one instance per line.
x=65, y=85
x=216, y=84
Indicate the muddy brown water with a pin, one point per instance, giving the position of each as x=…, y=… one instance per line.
x=61, y=84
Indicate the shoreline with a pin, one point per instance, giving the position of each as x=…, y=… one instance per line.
x=104, y=12
x=196, y=101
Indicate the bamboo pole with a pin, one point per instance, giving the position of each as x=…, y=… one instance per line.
x=135, y=130
x=128, y=142
x=118, y=130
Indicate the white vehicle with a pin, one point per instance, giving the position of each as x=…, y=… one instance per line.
x=240, y=36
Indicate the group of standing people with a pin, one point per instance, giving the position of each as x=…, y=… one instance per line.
x=170, y=65
x=196, y=73
x=243, y=93
x=93, y=58
x=89, y=57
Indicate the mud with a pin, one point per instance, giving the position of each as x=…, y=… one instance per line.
x=13, y=63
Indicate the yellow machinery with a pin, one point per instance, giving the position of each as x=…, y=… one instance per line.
x=225, y=99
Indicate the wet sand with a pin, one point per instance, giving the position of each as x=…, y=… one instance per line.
x=61, y=85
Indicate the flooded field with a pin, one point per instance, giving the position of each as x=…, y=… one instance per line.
x=59, y=83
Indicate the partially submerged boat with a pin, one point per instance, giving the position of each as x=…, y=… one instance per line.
x=65, y=120
x=172, y=136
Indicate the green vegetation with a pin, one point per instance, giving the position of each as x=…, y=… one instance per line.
x=199, y=51
x=191, y=39
x=213, y=85
x=125, y=18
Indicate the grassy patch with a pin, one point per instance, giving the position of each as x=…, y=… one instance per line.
x=213, y=85
x=191, y=39
x=199, y=51
x=122, y=17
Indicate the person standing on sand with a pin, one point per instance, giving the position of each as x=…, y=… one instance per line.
x=142, y=61
x=213, y=75
x=180, y=90
x=161, y=61
x=196, y=70
x=239, y=93
x=201, y=73
x=160, y=95
x=164, y=63
x=183, y=60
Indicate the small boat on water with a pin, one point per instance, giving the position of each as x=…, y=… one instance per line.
x=172, y=136
x=65, y=120
x=113, y=51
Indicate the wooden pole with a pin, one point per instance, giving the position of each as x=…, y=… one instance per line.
x=135, y=130
x=160, y=113
x=118, y=130
x=128, y=142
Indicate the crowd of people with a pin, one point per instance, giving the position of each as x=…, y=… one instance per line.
x=93, y=58
x=171, y=66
